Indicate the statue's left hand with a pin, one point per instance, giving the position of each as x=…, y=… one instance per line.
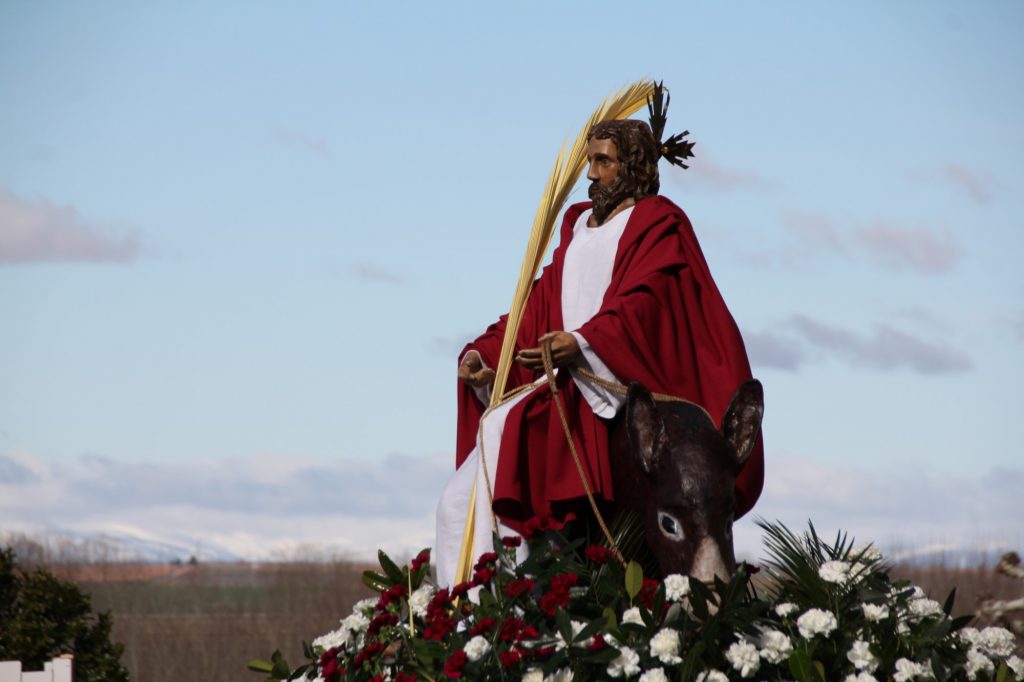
x=564, y=350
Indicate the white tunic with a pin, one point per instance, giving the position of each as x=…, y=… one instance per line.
x=586, y=274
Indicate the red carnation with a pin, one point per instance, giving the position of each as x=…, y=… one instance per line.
x=482, y=627
x=460, y=590
x=540, y=524
x=514, y=588
x=376, y=678
x=368, y=652
x=543, y=652
x=551, y=602
x=390, y=595
x=380, y=621
x=330, y=671
x=328, y=656
x=598, y=554
x=647, y=591
x=454, y=665
x=421, y=558
x=598, y=643
x=509, y=658
x=486, y=558
x=510, y=629
x=529, y=632
x=512, y=541
x=563, y=581
x=406, y=677
x=482, y=576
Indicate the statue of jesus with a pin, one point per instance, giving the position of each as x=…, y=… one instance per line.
x=628, y=297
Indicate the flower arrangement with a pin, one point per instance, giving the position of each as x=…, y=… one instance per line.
x=823, y=612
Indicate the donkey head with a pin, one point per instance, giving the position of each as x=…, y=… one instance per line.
x=690, y=468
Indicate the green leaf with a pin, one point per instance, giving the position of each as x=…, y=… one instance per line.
x=820, y=669
x=260, y=666
x=947, y=608
x=801, y=667
x=688, y=669
x=564, y=626
x=280, y=669
x=610, y=618
x=592, y=628
x=634, y=579
x=390, y=567
x=376, y=581
x=1003, y=673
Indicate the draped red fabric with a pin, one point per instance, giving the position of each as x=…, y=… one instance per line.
x=662, y=322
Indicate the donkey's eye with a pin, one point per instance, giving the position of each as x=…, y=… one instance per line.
x=670, y=526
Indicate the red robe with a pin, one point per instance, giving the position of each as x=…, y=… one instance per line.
x=662, y=322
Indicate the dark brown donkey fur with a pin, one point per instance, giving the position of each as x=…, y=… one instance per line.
x=677, y=469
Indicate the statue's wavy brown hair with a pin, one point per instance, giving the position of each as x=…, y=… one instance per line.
x=637, y=151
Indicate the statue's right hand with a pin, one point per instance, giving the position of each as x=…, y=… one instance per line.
x=473, y=372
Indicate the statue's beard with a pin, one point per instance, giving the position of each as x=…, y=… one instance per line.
x=606, y=199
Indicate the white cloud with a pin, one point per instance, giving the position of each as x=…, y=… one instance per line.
x=300, y=140
x=273, y=507
x=885, y=347
x=37, y=230
x=256, y=507
x=909, y=506
x=705, y=171
x=925, y=250
x=372, y=272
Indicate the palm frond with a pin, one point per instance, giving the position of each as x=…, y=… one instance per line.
x=568, y=167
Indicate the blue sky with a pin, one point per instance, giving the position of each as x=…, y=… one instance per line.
x=247, y=239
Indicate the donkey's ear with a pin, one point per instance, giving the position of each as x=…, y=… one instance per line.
x=742, y=421
x=644, y=426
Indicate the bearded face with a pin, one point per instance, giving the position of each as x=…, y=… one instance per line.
x=607, y=197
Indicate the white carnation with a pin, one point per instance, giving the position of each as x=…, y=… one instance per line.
x=835, y=572
x=632, y=616
x=743, y=656
x=338, y=638
x=860, y=677
x=816, y=622
x=925, y=608
x=875, y=612
x=420, y=600
x=477, y=648
x=626, y=665
x=970, y=636
x=577, y=628
x=867, y=553
x=1015, y=664
x=676, y=587
x=776, y=646
x=996, y=641
x=907, y=670
x=560, y=675
x=665, y=646
x=786, y=608
x=364, y=604
x=712, y=676
x=533, y=675
x=357, y=622
x=655, y=675
x=977, y=662
x=861, y=657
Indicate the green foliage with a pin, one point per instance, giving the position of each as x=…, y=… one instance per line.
x=570, y=611
x=42, y=617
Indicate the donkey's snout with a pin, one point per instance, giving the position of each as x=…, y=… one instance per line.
x=708, y=562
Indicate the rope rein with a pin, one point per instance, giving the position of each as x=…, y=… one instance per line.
x=549, y=372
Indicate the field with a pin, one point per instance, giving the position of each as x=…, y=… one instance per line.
x=205, y=621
